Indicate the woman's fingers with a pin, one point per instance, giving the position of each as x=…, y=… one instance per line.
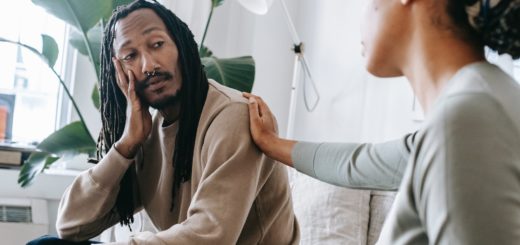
x=254, y=104
x=246, y=95
x=260, y=115
x=254, y=113
x=264, y=109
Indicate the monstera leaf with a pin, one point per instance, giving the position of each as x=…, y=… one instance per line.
x=95, y=97
x=205, y=52
x=81, y=14
x=216, y=3
x=237, y=73
x=77, y=40
x=35, y=164
x=49, y=49
x=70, y=140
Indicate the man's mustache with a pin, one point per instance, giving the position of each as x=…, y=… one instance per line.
x=141, y=85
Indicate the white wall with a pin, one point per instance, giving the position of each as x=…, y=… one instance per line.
x=267, y=39
x=48, y=187
x=354, y=105
x=236, y=32
x=84, y=79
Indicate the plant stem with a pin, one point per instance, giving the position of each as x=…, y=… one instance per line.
x=59, y=78
x=206, y=29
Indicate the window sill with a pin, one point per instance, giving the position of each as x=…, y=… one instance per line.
x=49, y=185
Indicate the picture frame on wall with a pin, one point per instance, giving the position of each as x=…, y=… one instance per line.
x=7, y=102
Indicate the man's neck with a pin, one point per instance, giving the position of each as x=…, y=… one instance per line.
x=170, y=113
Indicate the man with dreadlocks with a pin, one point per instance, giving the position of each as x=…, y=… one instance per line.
x=192, y=166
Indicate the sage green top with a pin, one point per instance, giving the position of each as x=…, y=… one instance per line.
x=461, y=183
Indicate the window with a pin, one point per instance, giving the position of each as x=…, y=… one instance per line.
x=29, y=91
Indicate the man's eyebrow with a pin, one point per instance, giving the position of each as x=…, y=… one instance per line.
x=146, y=31
x=153, y=28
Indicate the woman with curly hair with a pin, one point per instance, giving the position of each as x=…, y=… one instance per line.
x=458, y=177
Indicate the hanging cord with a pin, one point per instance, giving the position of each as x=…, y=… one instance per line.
x=298, y=50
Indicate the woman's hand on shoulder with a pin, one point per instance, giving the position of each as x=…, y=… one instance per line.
x=264, y=131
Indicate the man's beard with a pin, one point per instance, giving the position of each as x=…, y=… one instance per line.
x=172, y=99
x=166, y=101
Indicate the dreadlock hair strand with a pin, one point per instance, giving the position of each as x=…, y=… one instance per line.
x=192, y=97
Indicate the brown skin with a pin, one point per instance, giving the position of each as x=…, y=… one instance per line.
x=263, y=129
x=422, y=49
x=142, y=45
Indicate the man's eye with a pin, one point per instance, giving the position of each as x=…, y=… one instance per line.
x=129, y=57
x=158, y=44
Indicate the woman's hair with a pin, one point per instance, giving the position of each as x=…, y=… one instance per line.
x=494, y=23
x=113, y=103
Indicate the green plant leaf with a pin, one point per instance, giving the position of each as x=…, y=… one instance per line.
x=50, y=49
x=71, y=140
x=82, y=14
x=237, y=73
x=115, y=4
x=94, y=38
x=217, y=3
x=34, y=165
x=205, y=52
x=95, y=97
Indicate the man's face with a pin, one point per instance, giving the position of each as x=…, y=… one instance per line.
x=143, y=45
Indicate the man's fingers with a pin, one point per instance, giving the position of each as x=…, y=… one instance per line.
x=120, y=76
x=131, y=85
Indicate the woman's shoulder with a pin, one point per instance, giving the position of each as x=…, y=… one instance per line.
x=475, y=98
x=468, y=123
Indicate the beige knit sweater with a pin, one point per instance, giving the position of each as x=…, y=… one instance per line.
x=236, y=195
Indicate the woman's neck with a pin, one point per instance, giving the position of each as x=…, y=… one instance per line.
x=432, y=61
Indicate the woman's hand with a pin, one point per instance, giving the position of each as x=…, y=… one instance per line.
x=138, y=119
x=264, y=131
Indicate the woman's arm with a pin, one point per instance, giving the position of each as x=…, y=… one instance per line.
x=355, y=165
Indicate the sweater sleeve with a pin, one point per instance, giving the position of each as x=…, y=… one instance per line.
x=466, y=180
x=87, y=206
x=361, y=166
x=234, y=172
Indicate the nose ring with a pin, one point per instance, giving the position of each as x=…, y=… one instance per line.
x=150, y=74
